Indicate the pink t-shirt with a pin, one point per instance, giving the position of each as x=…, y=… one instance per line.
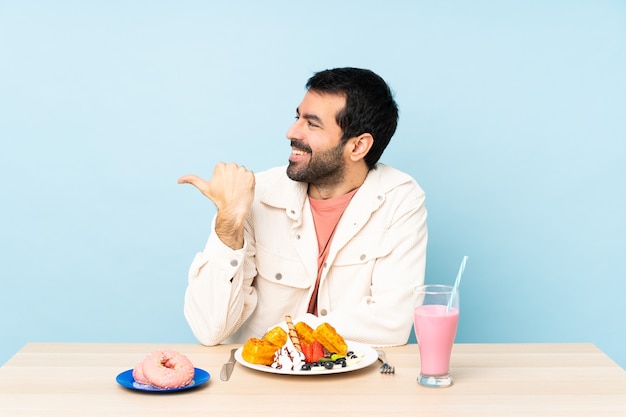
x=326, y=215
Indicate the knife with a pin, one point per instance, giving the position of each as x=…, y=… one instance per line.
x=227, y=368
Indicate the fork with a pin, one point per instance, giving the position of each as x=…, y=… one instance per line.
x=385, y=368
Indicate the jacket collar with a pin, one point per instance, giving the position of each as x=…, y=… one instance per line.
x=291, y=195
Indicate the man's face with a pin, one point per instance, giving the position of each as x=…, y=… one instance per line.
x=317, y=152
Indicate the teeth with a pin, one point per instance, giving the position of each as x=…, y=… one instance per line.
x=297, y=152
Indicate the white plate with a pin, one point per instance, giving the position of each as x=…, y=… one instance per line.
x=365, y=352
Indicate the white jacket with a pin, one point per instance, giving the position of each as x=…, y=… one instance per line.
x=377, y=257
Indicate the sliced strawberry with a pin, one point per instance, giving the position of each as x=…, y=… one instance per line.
x=317, y=351
x=307, y=349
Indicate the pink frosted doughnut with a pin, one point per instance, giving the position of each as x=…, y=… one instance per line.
x=138, y=375
x=167, y=369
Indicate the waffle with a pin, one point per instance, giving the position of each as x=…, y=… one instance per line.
x=305, y=332
x=277, y=336
x=259, y=351
x=330, y=339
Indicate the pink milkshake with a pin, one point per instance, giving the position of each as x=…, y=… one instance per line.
x=436, y=317
x=435, y=329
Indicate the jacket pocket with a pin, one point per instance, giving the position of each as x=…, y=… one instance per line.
x=363, y=250
x=280, y=269
x=351, y=272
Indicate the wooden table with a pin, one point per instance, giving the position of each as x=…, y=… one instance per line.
x=70, y=379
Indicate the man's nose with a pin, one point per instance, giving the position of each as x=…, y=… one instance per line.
x=294, y=131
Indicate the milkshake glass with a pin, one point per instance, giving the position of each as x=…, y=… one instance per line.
x=436, y=317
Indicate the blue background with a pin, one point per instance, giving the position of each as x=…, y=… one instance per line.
x=512, y=120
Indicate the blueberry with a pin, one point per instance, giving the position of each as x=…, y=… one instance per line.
x=328, y=365
x=306, y=367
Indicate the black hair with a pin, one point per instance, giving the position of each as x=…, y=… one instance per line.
x=370, y=107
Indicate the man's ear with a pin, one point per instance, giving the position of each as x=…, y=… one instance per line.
x=360, y=146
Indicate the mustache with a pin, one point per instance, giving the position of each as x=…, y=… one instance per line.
x=300, y=146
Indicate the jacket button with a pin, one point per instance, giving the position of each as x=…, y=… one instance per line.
x=323, y=312
x=233, y=262
x=297, y=237
x=279, y=276
x=362, y=257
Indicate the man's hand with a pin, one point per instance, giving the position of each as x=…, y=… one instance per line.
x=231, y=189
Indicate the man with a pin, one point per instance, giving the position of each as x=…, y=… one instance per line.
x=334, y=235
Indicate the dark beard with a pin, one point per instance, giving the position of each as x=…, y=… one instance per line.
x=326, y=168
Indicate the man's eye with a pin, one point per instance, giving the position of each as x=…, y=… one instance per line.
x=311, y=124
